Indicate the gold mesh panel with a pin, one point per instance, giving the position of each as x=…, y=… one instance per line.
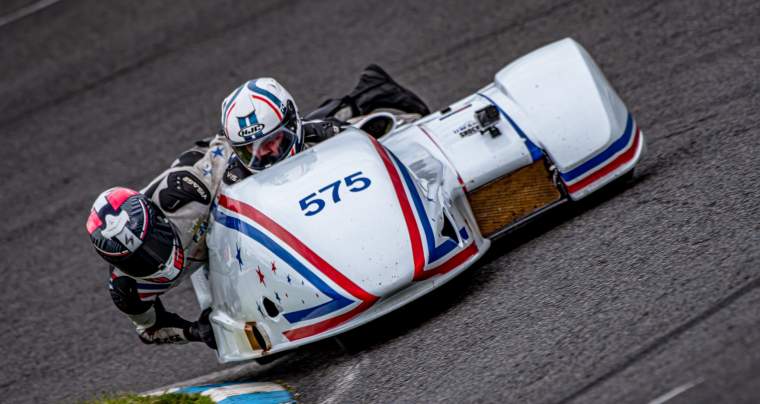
x=517, y=194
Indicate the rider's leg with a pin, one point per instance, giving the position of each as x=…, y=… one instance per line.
x=375, y=90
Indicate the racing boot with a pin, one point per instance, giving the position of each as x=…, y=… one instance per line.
x=375, y=90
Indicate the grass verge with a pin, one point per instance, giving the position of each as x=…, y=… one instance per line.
x=162, y=399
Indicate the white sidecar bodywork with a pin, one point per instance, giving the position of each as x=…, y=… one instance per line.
x=354, y=228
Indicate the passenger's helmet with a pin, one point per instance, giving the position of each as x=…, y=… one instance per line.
x=261, y=121
x=132, y=234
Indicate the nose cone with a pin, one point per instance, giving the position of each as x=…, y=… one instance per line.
x=337, y=209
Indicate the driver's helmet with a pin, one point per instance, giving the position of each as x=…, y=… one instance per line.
x=261, y=121
x=132, y=234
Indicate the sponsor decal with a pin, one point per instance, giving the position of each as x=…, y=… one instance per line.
x=199, y=229
x=201, y=190
x=183, y=188
x=467, y=129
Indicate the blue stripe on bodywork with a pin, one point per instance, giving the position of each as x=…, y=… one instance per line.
x=434, y=252
x=615, y=147
x=535, y=151
x=338, y=301
x=258, y=90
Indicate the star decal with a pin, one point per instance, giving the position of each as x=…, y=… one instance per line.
x=261, y=276
x=276, y=296
x=289, y=278
x=239, y=257
x=218, y=152
x=274, y=268
x=206, y=172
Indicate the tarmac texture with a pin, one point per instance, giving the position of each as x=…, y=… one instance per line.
x=647, y=289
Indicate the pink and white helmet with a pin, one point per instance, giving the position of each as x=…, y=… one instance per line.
x=260, y=119
x=130, y=232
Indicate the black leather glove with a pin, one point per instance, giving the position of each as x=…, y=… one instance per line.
x=201, y=330
x=319, y=131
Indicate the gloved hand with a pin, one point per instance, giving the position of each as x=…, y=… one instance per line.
x=168, y=328
x=319, y=131
x=201, y=330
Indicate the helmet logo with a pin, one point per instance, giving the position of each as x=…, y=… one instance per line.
x=249, y=125
x=115, y=224
x=116, y=227
x=251, y=130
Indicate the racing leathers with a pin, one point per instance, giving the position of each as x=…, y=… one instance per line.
x=184, y=193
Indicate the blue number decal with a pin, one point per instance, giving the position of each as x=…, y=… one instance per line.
x=305, y=203
x=335, y=185
x=311, y=204
x=352, y=179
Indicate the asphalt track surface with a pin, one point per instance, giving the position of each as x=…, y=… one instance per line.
x=639, y=291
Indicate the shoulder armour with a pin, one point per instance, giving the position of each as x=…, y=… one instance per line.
x=188, y=158
x=182, y=188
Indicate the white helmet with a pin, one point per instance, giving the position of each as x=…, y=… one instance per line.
x=260, y=119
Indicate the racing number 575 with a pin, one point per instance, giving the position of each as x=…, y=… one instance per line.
x=311, y=204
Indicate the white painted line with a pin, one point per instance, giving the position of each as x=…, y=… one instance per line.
x=25, y=11
x=676, y=391
x=345, y=382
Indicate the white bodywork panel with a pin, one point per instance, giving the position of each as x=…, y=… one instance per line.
x=349, y=230
x=567, y=107
x=353, y=260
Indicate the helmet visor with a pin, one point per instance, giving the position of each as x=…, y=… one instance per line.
x=265, y=151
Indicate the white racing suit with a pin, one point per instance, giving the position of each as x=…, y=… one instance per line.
x=185, y=193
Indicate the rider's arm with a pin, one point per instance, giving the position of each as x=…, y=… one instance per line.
x=184, y=192
x=153, y=323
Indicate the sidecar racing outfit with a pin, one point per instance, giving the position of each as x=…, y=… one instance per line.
x=156, y=238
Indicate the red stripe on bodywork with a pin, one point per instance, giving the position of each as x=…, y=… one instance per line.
x=411, y=224
x=93, y=222
x=288, y=238
x=610, y=167
x=309, y=330
x=275, y=109
x=452, y=263
x=117, y=197
x=322, y=326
